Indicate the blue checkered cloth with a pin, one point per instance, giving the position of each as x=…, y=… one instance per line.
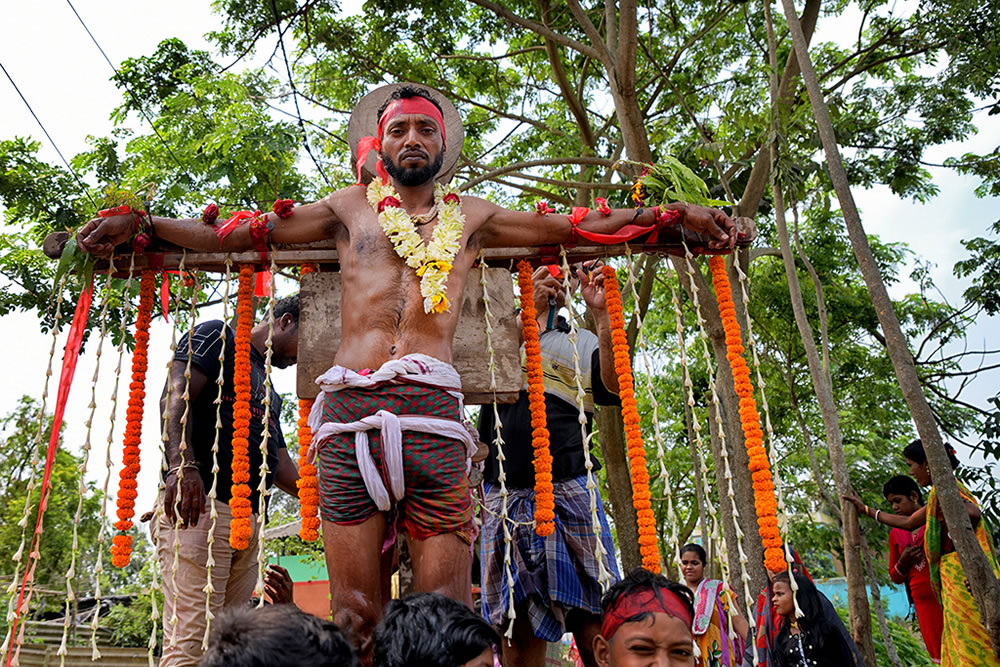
x=554, y=574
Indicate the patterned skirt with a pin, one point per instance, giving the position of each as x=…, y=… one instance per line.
x=553, y=574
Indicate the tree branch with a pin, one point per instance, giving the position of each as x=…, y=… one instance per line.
x=538, y=28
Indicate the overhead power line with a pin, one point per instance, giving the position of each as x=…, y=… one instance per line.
x=52, y=141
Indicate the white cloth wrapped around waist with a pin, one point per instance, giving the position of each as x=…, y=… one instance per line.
x=412, y=369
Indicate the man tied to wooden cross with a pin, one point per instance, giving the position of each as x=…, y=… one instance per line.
x=398, y=278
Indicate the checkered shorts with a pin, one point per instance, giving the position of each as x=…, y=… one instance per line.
x=438, y=497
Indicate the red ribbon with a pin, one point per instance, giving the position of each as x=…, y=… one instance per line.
x=71, y=355
x=227, y=227
x=262, y=283
x=365, y=146
x=623, y=235
x=165, y=295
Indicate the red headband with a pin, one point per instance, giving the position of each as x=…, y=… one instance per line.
x=641, y=602
x=406, y=105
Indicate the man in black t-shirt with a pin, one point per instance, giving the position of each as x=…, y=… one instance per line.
x=188, y=512
x=556, y=579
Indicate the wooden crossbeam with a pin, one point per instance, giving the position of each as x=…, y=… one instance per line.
x=166, y=256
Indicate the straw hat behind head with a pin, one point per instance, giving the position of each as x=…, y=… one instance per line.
x=364, y=123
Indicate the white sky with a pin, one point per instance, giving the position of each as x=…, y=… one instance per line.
x=66, y=80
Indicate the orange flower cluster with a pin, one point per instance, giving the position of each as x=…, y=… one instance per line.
x=648, y=543
x=121, y=544
x=545, y=502
x=753, y=436
x=241, y=528
x=307, y=483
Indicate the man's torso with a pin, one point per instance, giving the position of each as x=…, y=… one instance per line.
x=381, y=306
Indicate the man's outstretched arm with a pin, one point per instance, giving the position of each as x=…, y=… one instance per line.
x=310, y=222
x=504, y=228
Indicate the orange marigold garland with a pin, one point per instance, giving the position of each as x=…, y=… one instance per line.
x=545, y=503
x=241, y=528
x=121, y=544
x=648, y=543
x=763, y=485
x=307, y=483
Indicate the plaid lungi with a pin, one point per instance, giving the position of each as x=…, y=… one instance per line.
x=438, y=497
x=554, y=574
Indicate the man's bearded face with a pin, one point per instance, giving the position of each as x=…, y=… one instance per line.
x=413, y=176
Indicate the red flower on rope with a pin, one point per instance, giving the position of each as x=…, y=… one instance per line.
x=542, y=207
x=210, y=214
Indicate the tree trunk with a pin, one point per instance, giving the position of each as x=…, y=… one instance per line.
x=757, y=181
x=984, y=585
x=883, y=625
x=857, y=596
x=612, y=438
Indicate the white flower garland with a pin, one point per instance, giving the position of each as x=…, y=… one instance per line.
x=432, y=261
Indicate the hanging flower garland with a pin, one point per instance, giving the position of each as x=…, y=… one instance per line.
x=648, y=543
x=307, y=483
x=241, y=528
x=431, y=261
x=545, y=503
x=121, y=544
x=763, y=485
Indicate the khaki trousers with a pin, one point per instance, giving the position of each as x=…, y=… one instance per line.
x=234, y=577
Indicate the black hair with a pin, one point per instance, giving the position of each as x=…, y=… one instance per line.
x=641, y=579
x=430, y=630
x=915, y=452
x=697, y=549
x=903, y=486
x=288, y=305
x=822, y=629
x=276, y=636
x=405, y=93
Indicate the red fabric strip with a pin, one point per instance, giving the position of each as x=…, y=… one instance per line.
x=165, y=295
x=660, y=601
x=227, y=227
x=410, y=105
x=262, y=283
x=71, y=355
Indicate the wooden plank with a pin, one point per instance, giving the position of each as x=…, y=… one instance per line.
x=165, y=256
x=319, y=336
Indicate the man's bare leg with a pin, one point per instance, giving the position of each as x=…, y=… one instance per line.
x=441, y=565
x=523, y=649
x=358, y=592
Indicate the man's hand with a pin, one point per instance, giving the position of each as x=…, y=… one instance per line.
x=101, y=235
x=910, y=556
x=192, y=498
x=546, y=286
x=713, y=223
x=592, y=286
x=278, y=585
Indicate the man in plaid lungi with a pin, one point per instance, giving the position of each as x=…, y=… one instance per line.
x=556, y=579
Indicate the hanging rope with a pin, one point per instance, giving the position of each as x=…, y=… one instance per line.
x=82, y=471
x=643, y=348
x=603, y=575
x=717, y=414
x=95, y=654
x=182, y=450
x=262, y=490
x=213, y=490
x=499, y=443
x=16, y=604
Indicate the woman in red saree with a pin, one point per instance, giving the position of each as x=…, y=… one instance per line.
x=964, y=640
x=908, y=564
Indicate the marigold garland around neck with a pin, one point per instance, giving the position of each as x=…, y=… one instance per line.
x=545, y=504
x=121, y=544
x=241, y=528
x=763, y=486
x=308, y=483
x=431, y=261
x=641, y=497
